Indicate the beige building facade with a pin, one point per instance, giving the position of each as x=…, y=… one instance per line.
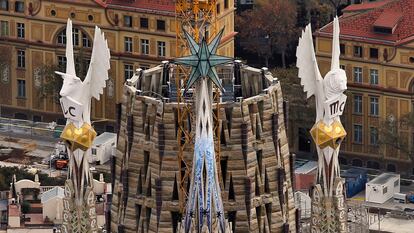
x=377, y=53
x=140, y=34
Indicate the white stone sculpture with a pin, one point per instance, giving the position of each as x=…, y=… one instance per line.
x=79, y=203
x=327, y=132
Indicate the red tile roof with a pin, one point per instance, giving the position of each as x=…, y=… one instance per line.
x=388, y=19
x=154, y=5
x=360, y=26
x=366, y=6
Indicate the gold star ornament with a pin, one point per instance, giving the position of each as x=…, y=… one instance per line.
x=78, y=138
x=328, y=135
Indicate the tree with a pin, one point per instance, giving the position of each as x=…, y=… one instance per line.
x=5, y=60
x=317, y=12
x=270, y=27
x=52, y=83
x=391, y=138
x=25, y=207
x=300, y=110
x=336, y=4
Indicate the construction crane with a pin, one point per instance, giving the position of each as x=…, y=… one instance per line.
x=199, y=18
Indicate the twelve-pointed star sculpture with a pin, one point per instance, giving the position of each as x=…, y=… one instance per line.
x=203, y=60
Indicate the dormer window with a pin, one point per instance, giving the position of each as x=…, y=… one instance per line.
x=387, y=22
x=382, y=30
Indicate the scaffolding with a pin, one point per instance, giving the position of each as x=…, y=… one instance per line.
x=199, y=18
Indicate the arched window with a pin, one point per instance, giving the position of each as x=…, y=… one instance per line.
x=80, y=38
x=391, y=167
x=357, y=163
x=343, y=161
x=373, y=165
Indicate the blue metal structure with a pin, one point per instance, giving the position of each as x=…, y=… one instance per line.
x=355, y=180
x=204, y=194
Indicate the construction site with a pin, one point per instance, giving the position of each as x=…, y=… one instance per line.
x=152, y=169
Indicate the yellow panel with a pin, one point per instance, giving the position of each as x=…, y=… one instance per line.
x=49, y=32
x=37, y=32
x=404, y=79
x=391, y=77
x=324, y=45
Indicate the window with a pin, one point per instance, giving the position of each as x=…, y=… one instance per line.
x=396, y=183
x=373, y=53
x=342, y=49
x=20, y=30
x=358, y=74
x=391, y=167
x=75, y=36
x=161, y=48
x=143, y=23
x=21, y=61
x=373, y=136
x=373, y=77
x=4, y=28
x=226, y=4
x=161, y=25
x=86, y=43
x=21, y=88
x=4, y=5
x=128, y=44
x=37, y=118
x=19, y=6
x=358, y=133
x=128, y=71
x=61, y=37
x=358, y=104
x=62, y=62
x=374, y=106
x=78, y=37
x=218, y=8
x=383, y=30
x=127, y=21
x=144, y=67
x=145, y=46
x=385, y=190
x=357, y=51
x=93, y=151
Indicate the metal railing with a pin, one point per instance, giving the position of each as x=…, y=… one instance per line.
x=13, y=127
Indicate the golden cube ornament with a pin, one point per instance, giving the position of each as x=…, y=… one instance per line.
x=328, y=135
x=79, y=138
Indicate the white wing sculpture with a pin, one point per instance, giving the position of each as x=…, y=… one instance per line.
x=328, y=131
x=99, y=65
x=308, y=70
x=77, y=94
x=78, y=133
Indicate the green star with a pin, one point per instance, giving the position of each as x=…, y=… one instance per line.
x=203, y=60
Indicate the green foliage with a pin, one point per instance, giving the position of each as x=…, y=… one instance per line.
x=390, y=136
x=6, y=175
x=270, y=27
x=5, y=59
x=51, y=82
x=301, y=111
x=25, y=207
